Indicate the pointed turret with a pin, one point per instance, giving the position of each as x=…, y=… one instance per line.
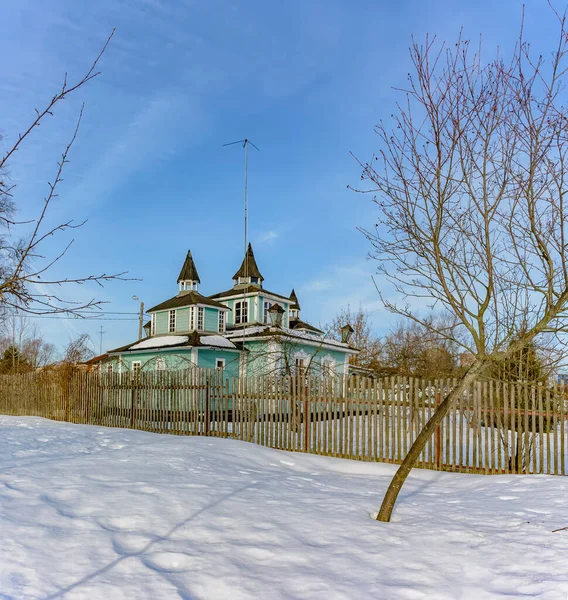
x=188, y=278
x=248, y=271
x=295, y=306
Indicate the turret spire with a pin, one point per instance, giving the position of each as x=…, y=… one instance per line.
x=188, y=278
x=248, y=271
x=295, y=306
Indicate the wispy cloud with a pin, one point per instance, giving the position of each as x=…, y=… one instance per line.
x=268, y=237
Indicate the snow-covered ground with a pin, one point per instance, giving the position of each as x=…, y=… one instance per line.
x=89, y=512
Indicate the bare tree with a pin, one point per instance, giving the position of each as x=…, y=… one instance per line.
x=470, y=183
x=368, y=344
x=78, y=350
x=17, y=331
x=413, y=350
x=22, y=263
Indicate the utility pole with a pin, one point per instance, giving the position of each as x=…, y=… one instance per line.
x=101, y=342
x=140, y=318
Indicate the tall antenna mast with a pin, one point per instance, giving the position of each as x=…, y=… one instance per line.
x=246, y=143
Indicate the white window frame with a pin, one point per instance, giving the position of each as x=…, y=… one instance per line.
x=153, y=324
x=221, y=321
x=171, y=329
x=160, y=364
x=220, y=360
x=136, y=366
x=241, y=316
x=200, y=318
x=267, y=304
x=109, y=369
x=191, y=318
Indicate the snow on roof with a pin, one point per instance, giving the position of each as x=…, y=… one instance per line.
x=216, y=340
x=293, y=333
x=160, y=341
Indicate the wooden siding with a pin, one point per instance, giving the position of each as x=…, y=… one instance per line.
x=162, y=322
x=211, y=319
x=182, y=320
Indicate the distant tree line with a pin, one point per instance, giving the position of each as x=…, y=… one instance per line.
x=410, y=349
x=23, y=348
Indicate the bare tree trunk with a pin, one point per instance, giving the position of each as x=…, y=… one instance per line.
x=422, y=439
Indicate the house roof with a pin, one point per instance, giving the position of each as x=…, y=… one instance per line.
x=266, y=331
x=248, y=268
x=194, y=339
x=249, y=289
x=186, y=299
x=298, y=324
x=188, y=271
x=95, y=360
x=295, y=304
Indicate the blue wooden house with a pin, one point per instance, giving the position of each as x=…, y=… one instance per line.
x=245, y=330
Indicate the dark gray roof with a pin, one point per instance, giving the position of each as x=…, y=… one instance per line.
x=247, y=290
x=186, y=299
x=248, y=268
x=295, y=304
x=188, y=271
x=297, y=324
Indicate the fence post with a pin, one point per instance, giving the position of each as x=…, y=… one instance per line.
x=133, y=402
x=438, y=449
x=207, y=407
x=306, y=416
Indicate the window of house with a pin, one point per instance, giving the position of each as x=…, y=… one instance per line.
x=109, y=369
x=300, y=365
x=200, y=316
x=160, y=364
x=136, y=366
x=254, y=280
x=172, y=321
x=267, y=305
x=241, y=311
x=191, y=318
x=219, y=363
x=153, y=325
x=221, y=321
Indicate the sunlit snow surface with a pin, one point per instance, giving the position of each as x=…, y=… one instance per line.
x=88, y=512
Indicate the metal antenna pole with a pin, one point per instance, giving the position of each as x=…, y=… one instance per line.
x=246, y=142
x=246, y=146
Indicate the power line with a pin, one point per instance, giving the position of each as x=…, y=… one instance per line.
x=94, y=318
x=85, y=313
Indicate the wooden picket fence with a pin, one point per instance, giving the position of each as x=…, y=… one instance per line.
x=495, y=427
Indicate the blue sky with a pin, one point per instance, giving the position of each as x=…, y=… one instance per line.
x=305, y=80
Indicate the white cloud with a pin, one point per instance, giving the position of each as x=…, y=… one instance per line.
x=268, y=237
